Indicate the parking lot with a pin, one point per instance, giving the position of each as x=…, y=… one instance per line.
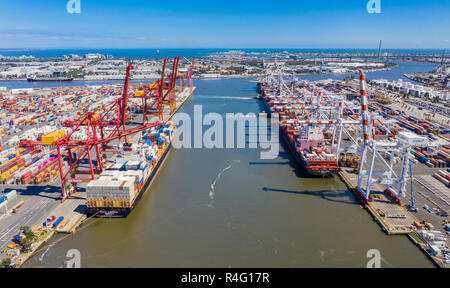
x=37, y=202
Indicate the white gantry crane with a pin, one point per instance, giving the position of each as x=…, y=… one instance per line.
x=322, y=107
x=325, y=108
x=379, y=171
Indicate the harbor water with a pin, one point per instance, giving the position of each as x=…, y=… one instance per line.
x=229, y=208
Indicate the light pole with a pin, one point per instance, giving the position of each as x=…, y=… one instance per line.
x=3, y=187
x=412, y=189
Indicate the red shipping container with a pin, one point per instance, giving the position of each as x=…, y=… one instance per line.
x=418, y=225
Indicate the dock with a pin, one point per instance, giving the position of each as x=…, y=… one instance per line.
x=392, y=218
x=73, y=210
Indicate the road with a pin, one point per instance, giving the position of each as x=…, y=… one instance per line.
x=39, y=201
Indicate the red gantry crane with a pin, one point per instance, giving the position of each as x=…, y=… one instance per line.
x=96, y=138
x=187, y=76
x=159, y=93
x=100, y=128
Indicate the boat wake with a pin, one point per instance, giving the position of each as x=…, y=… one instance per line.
x=212, y=192
x=41, y=258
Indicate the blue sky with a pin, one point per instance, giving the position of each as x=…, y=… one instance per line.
x=413, y=24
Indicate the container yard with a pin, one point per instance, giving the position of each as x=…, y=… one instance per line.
x=90, y=151
x=396, y=164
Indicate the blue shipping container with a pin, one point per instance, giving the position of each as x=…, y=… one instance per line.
x=58, y=221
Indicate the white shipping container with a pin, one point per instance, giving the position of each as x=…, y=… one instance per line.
x=123, y=188
x=105, y=178
x=111, y=173
x=133, y=165
x=136, y=174
x=11, y=194
x=435, y=251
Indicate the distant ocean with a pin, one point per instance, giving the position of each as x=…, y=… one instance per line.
x=188, y=52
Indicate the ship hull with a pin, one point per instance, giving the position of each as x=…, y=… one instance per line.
x=300, y=161
x=123, y=212
x=321, y=172
x=50, y=80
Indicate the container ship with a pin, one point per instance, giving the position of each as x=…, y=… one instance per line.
x=306, y=142
x=50, y=79
x=121, y=185
x=307, y=145
x=129, y=174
